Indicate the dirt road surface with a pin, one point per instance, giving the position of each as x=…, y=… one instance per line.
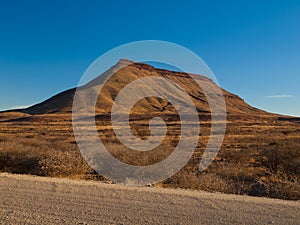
x=39, y=200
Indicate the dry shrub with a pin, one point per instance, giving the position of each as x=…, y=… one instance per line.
x=19, y=158
x=65, y=164
x=282, y=156
x=41, y=157
x=281, y=185
x=202, y=181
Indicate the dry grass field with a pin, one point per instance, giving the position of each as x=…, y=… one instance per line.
x=260, y=155
x=257, y=158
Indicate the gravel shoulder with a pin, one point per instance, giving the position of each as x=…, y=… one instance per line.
x=28, y=199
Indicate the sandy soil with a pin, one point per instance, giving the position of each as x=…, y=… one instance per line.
x=39, y=200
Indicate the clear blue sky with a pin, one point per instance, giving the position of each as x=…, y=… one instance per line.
x=253, y=47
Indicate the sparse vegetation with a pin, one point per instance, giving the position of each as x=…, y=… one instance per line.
x=263, y=167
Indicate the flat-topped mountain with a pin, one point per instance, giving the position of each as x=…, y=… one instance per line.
x=62, y=102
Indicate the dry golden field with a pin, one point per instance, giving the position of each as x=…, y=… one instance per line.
x=257, y=158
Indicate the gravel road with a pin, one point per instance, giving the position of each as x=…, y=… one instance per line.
x=40, y=200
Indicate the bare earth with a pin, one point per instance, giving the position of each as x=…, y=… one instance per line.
x=39, y=200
